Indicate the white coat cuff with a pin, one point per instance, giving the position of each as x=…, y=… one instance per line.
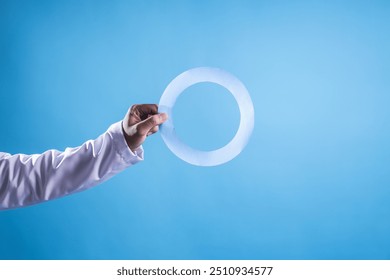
x=128, y=156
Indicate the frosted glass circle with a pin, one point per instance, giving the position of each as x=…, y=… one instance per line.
x=241, y=95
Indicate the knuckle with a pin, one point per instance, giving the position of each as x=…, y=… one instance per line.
x=133, y=107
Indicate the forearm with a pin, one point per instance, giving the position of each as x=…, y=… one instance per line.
x=29, y=179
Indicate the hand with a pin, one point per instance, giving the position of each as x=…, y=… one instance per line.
x=141, y=121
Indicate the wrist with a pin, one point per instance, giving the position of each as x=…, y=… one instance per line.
x=129, y=141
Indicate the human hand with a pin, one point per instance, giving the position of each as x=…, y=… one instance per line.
x=141, y=121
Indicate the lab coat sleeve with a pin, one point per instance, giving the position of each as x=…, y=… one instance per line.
x=30, y=179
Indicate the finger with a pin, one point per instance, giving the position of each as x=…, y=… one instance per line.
x=140, y=112
x=144, y=110
x=145, y=126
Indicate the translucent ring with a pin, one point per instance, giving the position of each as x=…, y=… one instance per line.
x=239, y=92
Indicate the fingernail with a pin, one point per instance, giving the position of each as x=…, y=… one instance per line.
x=163, y=116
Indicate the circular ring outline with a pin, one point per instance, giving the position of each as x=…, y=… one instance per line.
x=242, y=97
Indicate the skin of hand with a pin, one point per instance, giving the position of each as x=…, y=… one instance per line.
x=141, y=121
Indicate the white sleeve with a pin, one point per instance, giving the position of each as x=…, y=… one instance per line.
x=30, y=179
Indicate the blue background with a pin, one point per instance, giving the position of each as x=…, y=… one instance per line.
x=313, y=182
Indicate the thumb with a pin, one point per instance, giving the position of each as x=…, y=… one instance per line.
x=146, y=125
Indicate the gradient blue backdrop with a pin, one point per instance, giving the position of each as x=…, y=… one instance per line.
x=314, y=181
